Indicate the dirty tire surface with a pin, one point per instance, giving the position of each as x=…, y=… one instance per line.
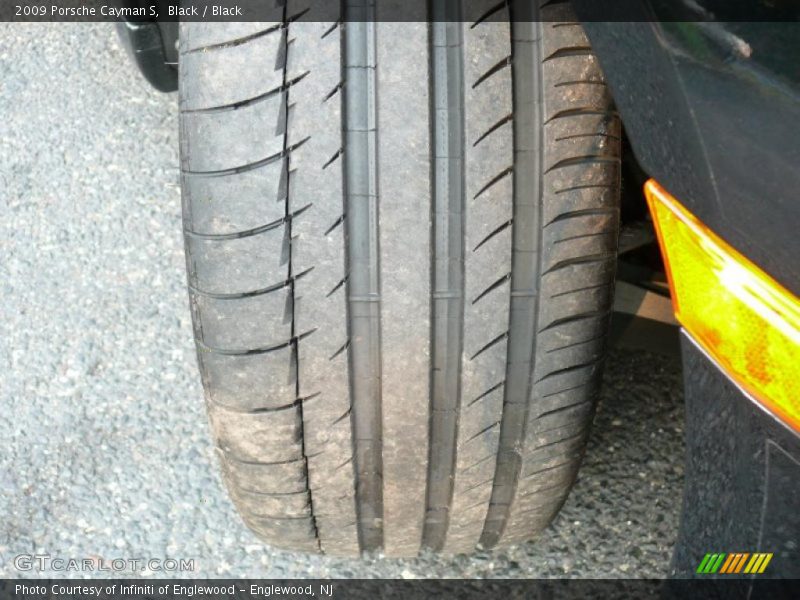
x=401, y=243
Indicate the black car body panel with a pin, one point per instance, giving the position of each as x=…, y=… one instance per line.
x=712, y=111
x=742, y=474
x=714, y=117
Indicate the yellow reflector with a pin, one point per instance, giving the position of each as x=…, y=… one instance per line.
x=742, y=317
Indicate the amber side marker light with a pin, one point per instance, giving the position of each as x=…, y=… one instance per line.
x=746, y=321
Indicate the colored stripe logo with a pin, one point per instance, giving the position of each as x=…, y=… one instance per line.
x=733, y=563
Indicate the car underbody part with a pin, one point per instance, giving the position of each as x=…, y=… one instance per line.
x=152, y=46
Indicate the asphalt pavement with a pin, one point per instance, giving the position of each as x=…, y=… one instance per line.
x=104, y=445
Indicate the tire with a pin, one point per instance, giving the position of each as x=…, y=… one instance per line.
x=401, y=246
